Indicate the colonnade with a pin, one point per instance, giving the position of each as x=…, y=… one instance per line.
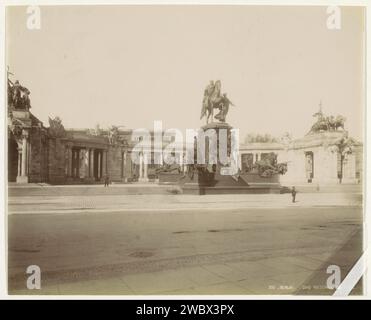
x=90, y=163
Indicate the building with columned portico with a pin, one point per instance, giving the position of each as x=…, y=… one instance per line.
x=310, y=159
x=67, y=156
x=55, y=155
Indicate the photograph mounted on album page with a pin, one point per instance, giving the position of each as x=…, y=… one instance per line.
x=185, y=150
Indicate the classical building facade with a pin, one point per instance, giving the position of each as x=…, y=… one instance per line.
x=315, y=158
x=60, y=156
x=38, y=154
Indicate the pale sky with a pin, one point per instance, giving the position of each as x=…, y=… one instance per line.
x=131, y=65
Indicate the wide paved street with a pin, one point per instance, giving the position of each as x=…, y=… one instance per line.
x=177, y=244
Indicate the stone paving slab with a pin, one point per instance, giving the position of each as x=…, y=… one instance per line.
x=227, y=272
x=290, y=282
x=227, y=288
x=217, y=279
x=96, y=287
x=275, y=276
x=145, y=203
x=157, y=282
x=201, y=276
x=45, y=290
x=255, y=270
x=263, y=286
x=276, y=251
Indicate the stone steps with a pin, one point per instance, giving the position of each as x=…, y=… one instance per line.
x=71, y=190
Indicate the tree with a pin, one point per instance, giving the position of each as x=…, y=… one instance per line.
x=262, y=138
x=343, y=147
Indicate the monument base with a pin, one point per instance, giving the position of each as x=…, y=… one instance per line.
x=216, y=179
x=169, y=177
x=201, y=190
x=221, y=184
x=22, y=179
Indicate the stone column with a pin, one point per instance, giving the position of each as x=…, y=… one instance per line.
x=69, y=161
x=23, y=177
x=123, y=176
x=128, y=173
x=91, y=159
x=77, y=163
x=66, y=161
x=145, y=174
x=141, y=166
x=87, y=175
x=24, y=156
x=73, y=163
x=99, y=162
x=28, y=158
x=104, y=163
x=181, y=164
x=86, y=163
x=82, y=163
x=19, y=162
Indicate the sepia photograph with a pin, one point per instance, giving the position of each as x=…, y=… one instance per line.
x=185, y=150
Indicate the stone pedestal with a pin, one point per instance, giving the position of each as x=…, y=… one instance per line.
x=220, y=173
x=22, y=179
x=218, y=144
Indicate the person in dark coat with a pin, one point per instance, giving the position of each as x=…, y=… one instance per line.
x=293, y=193
x=106, y=181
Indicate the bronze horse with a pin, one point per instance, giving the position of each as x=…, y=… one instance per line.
x=211, y=101
x=328, y=124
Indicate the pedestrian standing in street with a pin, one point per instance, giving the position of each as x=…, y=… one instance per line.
x=293, y=193
x=106, y=181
